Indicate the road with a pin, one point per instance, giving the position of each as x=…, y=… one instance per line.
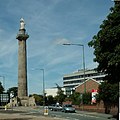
x=36, y=113
x=81, y=115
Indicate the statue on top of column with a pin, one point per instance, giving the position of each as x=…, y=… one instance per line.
x=22, y=23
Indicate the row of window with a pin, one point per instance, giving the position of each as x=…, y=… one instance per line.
x=80, y=81
x=73, y=82
x=81, y=76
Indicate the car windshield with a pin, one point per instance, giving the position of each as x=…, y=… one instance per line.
x=68, y=105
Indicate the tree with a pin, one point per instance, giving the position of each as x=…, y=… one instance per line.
x=87, y=98
x=1, y=88
x=38, y=99
x=108, y=93
x=60, y=96
x=50, y=100
x=75, y=98
x=14, y=89
x=107, y=45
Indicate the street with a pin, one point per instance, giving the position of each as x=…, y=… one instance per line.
x=36, y=113
x=80, y=115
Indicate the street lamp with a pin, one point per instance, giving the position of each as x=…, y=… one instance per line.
x=3, y=81
x=43, y=88
x=83, y=61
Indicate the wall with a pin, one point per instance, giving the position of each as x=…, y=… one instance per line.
x=90, y=84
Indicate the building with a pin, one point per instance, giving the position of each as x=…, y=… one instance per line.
x=53, y=91
x=90, y=86
x=70, y=81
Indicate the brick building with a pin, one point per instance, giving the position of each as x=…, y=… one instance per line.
x=89, y=85
x=75, y=79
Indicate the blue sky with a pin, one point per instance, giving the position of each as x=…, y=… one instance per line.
x=50, y=23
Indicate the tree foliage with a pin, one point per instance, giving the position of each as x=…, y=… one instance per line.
x=60, y=96
x=14, y=89
x=108, y=93
x=1, y=88
x=38, y=99
x=87, y=98
x=107, y=45
x=50, y=100
x=75, y=98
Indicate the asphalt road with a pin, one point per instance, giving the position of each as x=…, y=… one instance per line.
x=36, y=113
x=81, y=115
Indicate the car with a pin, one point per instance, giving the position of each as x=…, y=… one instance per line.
x=51, y=106
x=55, y=107
x=68, y=108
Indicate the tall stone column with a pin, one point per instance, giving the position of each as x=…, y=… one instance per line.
x=22, y=61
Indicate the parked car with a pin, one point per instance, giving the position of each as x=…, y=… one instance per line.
x=55, y=107
x=51, y=106
x=68, y=108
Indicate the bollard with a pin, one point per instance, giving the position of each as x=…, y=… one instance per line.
x=45, y=110
x=5, y=107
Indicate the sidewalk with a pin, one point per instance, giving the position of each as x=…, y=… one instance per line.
x=103, y=115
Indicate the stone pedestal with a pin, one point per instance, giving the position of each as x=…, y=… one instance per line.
x=25, y=101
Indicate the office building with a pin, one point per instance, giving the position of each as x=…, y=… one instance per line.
x=70, y=81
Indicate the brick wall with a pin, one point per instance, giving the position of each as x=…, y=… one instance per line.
x=96, y=108
x=90, y=84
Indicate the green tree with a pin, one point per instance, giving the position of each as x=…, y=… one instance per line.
x=60, y=96
x=107, y=45
x=1, y=88
x=38, y=99
x=50, y=100
x=87, y=98
x=108, y=93
x=75, y=98
x=14, y=89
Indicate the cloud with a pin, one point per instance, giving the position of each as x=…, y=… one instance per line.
x=61, y=41
x=50, y=23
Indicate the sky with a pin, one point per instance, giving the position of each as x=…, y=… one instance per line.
x=49, y=23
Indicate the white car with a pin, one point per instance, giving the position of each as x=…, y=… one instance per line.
x=68, y=108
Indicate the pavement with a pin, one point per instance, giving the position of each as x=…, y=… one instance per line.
x=102, y=115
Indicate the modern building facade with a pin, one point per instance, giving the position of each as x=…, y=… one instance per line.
x=70, y=81
x=53, y=91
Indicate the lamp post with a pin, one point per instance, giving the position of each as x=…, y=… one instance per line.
x=83, y=61
x=3, y=81
x=43, y=88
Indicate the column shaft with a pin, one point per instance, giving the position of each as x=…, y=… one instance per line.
x=22, y=69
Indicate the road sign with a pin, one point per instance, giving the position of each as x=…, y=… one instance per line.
x=4, y=98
